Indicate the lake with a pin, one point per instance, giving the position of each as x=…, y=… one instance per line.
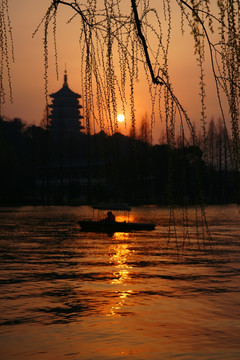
x=171, y=293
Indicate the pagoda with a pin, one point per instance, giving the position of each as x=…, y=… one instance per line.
x=65, y=111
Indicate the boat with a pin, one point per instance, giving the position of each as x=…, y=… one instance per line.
x=117, y=226
x=102, y=226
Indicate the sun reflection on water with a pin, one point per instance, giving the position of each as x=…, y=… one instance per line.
x=126, y=218
x=122, y=298
x=120, y=254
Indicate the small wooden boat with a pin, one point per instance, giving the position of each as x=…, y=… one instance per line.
x=117, y=226
x=112, y=227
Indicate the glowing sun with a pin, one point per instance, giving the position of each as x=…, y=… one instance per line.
x=120, y=118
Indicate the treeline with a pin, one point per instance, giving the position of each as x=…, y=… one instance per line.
x=216, y=144
x=38, y=167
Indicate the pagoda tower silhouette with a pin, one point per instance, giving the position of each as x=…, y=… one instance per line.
x=65, y=111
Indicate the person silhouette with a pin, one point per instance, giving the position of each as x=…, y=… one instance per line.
x=110, y=217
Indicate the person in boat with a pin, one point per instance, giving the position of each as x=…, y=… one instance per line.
x=110, y=217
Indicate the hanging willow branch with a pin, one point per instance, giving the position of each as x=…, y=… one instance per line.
x=7, y=52
x=155, y=79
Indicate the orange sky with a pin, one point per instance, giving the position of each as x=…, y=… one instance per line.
x=28, y=69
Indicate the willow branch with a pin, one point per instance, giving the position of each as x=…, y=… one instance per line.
x=155, y=79
x=74, y=6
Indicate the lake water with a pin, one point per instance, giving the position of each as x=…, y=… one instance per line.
x=70, y=295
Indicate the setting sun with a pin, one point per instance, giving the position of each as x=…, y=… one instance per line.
x=120, y=117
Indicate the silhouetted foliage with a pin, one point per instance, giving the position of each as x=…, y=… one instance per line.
x=37, y=167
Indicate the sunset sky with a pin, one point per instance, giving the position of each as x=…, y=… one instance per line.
x=28, y=69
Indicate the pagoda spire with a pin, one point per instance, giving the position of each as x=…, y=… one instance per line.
x=65, y=83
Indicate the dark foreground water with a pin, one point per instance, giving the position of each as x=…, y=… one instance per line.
x=70, y=295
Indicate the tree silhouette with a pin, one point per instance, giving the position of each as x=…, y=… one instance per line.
x=114, y=36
